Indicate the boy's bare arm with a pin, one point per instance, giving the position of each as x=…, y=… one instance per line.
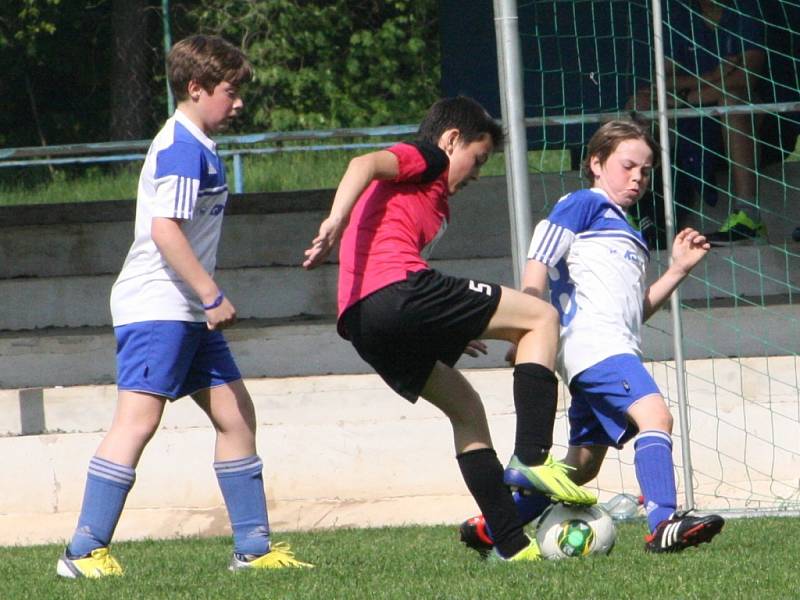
x=534, y=282
x=361, y=171
x=688, y=249
x=534, y=279
x=176, y=250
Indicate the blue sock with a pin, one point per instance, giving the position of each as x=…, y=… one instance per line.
x=107, y=487
x=529, y=507
x=656, y=475
x=243, y=490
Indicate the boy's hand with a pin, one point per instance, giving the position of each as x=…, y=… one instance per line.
x=321, y=246
x=688, y=249
x=475, y=348
x=222, y=316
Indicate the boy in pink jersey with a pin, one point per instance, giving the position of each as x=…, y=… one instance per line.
x=411, y=323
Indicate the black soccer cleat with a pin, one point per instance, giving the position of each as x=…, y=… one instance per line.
x=683, y=531
x=474, y=535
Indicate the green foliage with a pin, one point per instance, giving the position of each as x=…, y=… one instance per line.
x=332, y=63
x=751, y=558
x=23, y=21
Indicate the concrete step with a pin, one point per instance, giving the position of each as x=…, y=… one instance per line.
x=310, y=346
x=57, y=264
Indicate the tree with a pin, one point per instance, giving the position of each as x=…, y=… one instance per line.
x=130, y=83
x=22, y=22
x=332, y=63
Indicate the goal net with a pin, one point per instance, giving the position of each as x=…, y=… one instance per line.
x=732, y=80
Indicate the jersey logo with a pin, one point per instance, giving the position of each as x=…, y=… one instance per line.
x=562, y=292
x=633, y=257
x=481, y=288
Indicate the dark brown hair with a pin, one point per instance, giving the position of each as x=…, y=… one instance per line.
x=606, y=139
x=462, y=113
x=208, y=60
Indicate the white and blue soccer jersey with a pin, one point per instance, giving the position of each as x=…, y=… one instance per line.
x=596, y=270
x=183, y=178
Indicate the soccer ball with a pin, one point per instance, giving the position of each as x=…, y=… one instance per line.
x=569, y=531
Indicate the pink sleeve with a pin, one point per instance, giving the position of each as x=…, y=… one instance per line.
x=411, y=163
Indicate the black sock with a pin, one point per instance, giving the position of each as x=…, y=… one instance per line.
x=483, y=475
x=535, y=400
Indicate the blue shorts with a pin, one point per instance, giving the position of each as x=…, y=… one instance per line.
x=601, y=396
x=172, y=358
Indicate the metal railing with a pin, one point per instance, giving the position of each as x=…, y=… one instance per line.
x=236, y=146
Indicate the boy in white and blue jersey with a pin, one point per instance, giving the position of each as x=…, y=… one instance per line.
x=594, y=263
x=168, y=314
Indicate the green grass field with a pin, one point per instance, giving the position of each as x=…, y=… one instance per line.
x=751, y=558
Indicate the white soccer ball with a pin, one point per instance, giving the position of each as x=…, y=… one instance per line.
x=569, y=531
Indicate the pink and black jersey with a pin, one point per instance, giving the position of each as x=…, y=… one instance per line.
x=395, y=224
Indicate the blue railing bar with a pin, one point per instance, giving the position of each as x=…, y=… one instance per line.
x=143, y=145
x=138, y=157
x=238, y=174
x=76, y=160
x=316, y=134
x=395, y=130
x=353, y=146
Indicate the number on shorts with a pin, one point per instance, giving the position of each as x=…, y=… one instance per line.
x=481, y=288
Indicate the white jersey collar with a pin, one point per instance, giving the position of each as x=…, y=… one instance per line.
x=195, y=130
x=616, y=206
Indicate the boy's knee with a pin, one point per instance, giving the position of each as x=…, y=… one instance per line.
x=545, y=316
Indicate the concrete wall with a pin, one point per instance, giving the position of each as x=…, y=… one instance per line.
x=368, y=457
x=57, y=265
x=362, y=447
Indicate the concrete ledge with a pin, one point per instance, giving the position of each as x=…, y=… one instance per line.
x=57, y=264
x=369, y=458
x=310, y=346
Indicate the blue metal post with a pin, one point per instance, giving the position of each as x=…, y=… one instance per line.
x=238, y=174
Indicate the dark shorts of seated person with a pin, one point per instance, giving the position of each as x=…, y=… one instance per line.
x=403, y=329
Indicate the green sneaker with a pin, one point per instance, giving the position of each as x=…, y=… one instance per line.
x=529, y=553
x=551, y=479
x=738, y=227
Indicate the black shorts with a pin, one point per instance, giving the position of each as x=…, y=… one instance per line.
x=403, y=329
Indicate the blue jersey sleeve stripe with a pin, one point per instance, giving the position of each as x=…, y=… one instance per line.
x=549, y=243
x=555, y=233
x=187, y=199
x=177, y=198
x=192, y=199
x=541, y=241
x=548, y=234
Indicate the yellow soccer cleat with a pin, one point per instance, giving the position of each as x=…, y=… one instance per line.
x=551, y=479
x=95, y=565
x=278, y=557
x=530, y=553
